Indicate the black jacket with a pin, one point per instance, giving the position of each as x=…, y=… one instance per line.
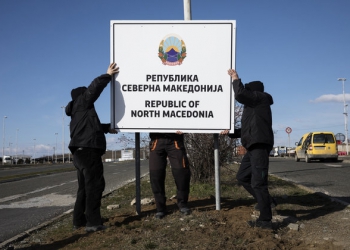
x=256, y=118
x=86, y=129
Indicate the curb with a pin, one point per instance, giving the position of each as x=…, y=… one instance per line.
x=27, y=233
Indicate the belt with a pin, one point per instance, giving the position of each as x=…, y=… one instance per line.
x=162, y=137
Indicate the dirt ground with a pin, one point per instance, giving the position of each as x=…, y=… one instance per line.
x=322, y=227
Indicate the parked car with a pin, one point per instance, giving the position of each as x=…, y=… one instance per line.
x=291, y=152
x=7, y=159
x=316, y=146
x=279, y=151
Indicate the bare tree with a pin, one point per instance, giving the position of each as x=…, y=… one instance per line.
x=200, y=149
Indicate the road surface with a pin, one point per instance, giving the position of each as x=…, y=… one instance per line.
x=330, y=178
x=28, y=202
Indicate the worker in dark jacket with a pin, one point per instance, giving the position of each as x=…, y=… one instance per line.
x=257, y=137
x=88, y=144
x=170, y=146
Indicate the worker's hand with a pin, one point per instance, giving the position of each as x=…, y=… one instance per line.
x=233, y=74
x=179, y=132
x=112, y=131
x=112, y=69
x=224, y=132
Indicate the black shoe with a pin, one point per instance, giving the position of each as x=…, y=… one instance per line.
x=95, y=228
x=76, y=227
x=160, y=215
x=273, y=204
x=185, y=211
x=261, y=224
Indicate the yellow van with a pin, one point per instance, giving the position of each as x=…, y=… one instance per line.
x=316, y=146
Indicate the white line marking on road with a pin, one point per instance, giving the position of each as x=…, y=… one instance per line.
x=333, y=166
x=49, y=200
x=9, y=198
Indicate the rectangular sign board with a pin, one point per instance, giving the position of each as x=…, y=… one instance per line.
x=173, y=76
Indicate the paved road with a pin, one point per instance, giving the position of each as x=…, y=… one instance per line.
x=27, y=203
x=331, y=178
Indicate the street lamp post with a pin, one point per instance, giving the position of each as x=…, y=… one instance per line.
x=63, y=133
x=48, y=153
x=17, y=146
x=345, y=116
x=56, y=148
x=34, y=150
x=68, y=150
x=10, y=152
x=3, y=139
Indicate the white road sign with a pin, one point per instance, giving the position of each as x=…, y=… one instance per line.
x=173, y=76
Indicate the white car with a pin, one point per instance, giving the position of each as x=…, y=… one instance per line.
x=7, y=159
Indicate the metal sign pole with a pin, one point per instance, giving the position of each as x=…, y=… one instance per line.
x=188, y=16
x=187, y=10
x=137, y=173
x=217, y=171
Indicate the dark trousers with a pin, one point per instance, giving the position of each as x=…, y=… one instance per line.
x=91, y=183
x=253, y=175
x=160, y=150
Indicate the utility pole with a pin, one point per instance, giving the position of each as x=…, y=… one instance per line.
x=3, y=139
x=63, y=133
x=345, y=116
x=56, y=148
x=17, y=146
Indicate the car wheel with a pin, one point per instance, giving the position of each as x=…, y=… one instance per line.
x=296, y=158
x=307, y=159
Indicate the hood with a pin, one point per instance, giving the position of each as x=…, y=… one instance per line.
x=69, y=108
x=269, y=97
x=75, y=93
x=255, y=86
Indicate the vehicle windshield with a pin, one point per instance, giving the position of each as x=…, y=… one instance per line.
x=300, y=141
x=323, y=138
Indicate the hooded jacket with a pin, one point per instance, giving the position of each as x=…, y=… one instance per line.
x=86, y=130
x=256, y=123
